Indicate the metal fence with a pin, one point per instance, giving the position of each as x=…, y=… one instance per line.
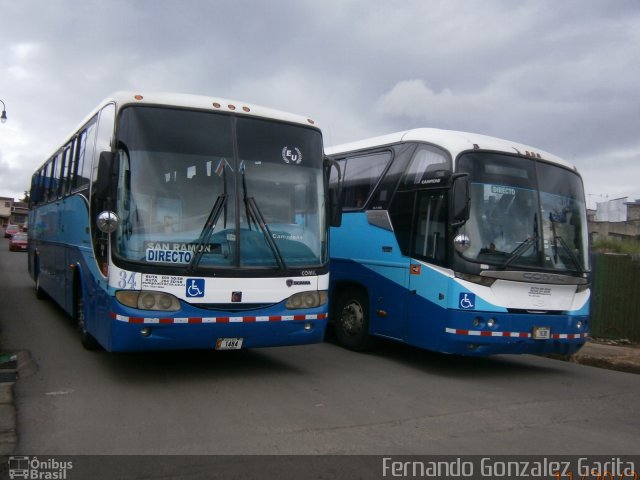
x=615, y=301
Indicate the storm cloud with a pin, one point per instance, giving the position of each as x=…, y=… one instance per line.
x=560, y=76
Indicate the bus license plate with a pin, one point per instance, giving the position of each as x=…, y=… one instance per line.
x=541, y=333
x=229, y=344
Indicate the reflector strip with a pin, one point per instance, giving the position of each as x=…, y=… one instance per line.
x=484, y=333
x=479, y=333
x=190, y=320
x=569, y=336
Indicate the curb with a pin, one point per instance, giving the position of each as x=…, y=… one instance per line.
x=620, y=365
x=8, y=376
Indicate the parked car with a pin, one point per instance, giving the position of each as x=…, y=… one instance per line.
x=18, y=242
x=11, y=230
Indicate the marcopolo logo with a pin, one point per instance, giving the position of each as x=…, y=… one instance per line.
x=40, y=469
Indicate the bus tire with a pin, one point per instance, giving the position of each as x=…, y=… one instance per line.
x=87, y=340
x=351, y=320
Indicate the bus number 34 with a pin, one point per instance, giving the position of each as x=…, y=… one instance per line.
x=127, y=280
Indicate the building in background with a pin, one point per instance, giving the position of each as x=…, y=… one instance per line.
x=5, y=210
x=13, y=212
x=618, y=218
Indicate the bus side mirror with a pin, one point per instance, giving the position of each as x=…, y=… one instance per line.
x=459, y=199
x=334, y=192
x=102, y=185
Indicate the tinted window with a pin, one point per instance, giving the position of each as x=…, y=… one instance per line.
x=428, y=162
x=53, y=183
x=361, y=175
x=86, y=142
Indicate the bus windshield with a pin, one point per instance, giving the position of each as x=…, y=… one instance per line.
x=525, y=214
x=202, y=190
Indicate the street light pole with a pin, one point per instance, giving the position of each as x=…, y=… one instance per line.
x=3, y=118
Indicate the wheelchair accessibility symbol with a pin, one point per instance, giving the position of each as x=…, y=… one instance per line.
x=195, y=287
x=467, y=301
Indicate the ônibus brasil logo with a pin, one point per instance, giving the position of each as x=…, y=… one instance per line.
x=34, y=468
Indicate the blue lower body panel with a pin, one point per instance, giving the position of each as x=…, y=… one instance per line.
x=469, y=333
x=412, y=318
x=195, y=328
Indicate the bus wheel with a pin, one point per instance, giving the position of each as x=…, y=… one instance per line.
x=351, y=320
x=86, y=338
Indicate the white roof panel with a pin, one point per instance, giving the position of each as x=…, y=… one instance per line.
x=453, y=141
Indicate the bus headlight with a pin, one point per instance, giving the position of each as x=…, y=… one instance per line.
x=306, y=300
x=145, y=300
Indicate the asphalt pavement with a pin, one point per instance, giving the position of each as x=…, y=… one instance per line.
x=612, y=355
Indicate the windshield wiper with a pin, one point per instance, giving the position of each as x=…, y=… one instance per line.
x=519, y=251
x=524, y=246
x=565, y=247
x=207, y=231
x=252, y=210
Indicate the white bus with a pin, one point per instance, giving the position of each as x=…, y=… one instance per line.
x=459, y=243
x=169, y=221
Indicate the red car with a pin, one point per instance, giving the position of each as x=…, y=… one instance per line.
x=11, y=230
x=18, y=242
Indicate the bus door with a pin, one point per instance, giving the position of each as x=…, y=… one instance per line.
x=428, y=280
x=388, y=294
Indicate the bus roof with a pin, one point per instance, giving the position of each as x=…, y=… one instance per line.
x=454, y=141
x=200, y=102
x=184, y=100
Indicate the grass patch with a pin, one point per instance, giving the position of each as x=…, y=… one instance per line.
x=631, y=247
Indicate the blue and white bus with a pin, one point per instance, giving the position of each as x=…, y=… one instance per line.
x=459, y=243
x=170, y=221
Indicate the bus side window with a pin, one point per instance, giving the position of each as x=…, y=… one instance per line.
x=428, y=163
x=103, y=137
x=401, y=212
x=429, y=237
x=84, y=154
x=62, y=156
x=53, y=182
x=70, y=164
x=361, y=175
x=33, y=192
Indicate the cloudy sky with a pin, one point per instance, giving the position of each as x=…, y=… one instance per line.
x=563, y=76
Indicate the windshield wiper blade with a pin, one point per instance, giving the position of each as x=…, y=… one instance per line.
x=254, y=211
x=207, y=231
x=564, y=245
x=554, y=246
x=519, y=251
x=524, y=246
x=260, y=221
x=571, y=254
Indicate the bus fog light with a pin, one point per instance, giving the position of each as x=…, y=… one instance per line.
x=146, y=331
x=491, y=323
x=477, y=322
x=308, y=326
x=579, y=325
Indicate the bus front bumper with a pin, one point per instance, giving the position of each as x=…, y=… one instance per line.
x=232, y=332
